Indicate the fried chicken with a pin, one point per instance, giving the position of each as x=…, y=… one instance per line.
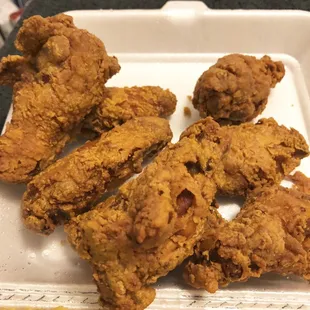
x=121, y=104
x=258, y=155
x=72, y=184
x=236, y=88
x=153, y=223
x=56, y=84
x=270, y=234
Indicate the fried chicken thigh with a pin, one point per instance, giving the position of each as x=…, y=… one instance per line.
x=236, y=88
x=56, y=84
x=270, y=234
x=72, y=184
x=121, y=104
x=153, y=223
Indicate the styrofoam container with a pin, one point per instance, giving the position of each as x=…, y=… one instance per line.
x=169, y=47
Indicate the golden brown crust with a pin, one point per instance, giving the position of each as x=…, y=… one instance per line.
x=130, y=242
x=69, y=186
x=15, y=68
x=270, y=234
x=62, y=79
x=122, y=104
x=236, y=88
x=36, y=30
x=258, y=155
x=301, y=182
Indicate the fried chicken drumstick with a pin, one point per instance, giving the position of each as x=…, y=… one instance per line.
x=236, y=88
x=153, y=223
x=258, y=155
x=69, y=186
x=122, y=104
x=270, y=234
x=56, y=84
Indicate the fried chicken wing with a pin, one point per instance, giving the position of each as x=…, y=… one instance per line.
x=270, y=234
x=69, y=186
x=121, y=104
x=236, y=88
x=55, y=85
x=153, y=223
x=259, y=155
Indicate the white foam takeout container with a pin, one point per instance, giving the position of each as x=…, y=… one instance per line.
x=169, y=47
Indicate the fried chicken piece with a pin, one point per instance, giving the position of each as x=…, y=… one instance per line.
x=236, y=88
x=55, y=85
x=72, y=184
x=121, y=104
x=270, y=234
x=259, y=155
x=153, y=223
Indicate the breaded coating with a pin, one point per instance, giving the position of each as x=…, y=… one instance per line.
x=122, y=104
x=301, y=182
x=55, y=85
x=14, y=68
x=270, y=234
x=72, y=184
x=260, y=154
x=153, y=223
x=236, y=88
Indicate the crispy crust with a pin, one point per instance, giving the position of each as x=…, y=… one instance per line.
x=57, y=83
x=129, y=242
x=270, y=234
x=69, y=186
x=236, y=88
x=122, y=104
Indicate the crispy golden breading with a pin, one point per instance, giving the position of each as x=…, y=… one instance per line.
x=153, y=223
x=270, y=234
x=258, y=155
x=14, y=68
x=237, y=87
x=301, y=182
x=122, y=104
x=58, y=81
x=69, y=186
